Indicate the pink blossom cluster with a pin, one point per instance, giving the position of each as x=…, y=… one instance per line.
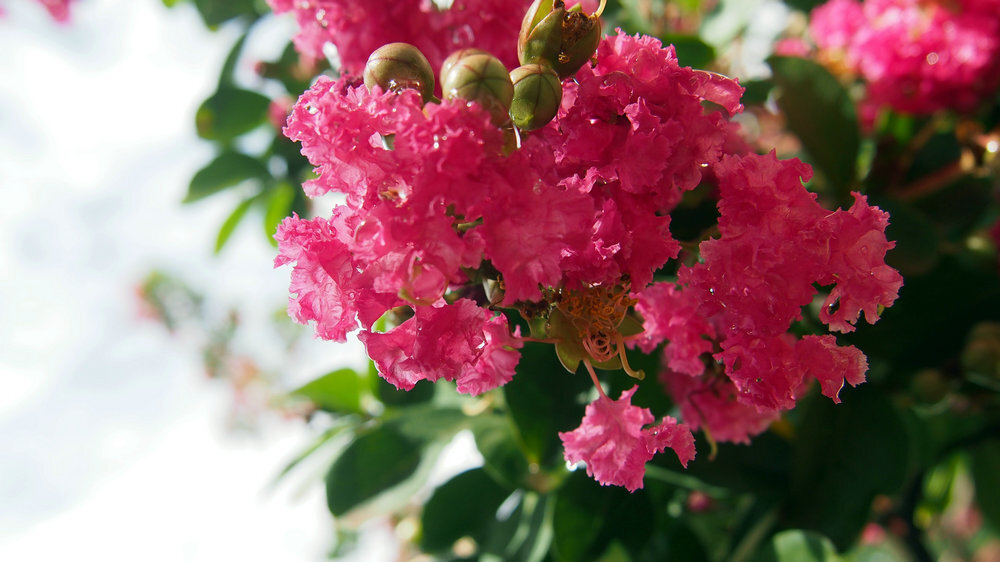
x=58, y=9
x=358, y=28
x=915, y=56
x=439, y=205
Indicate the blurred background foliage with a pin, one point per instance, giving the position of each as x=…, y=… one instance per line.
x=907, y=467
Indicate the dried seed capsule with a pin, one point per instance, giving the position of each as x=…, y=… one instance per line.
x=481, y=78
x=537, y=94
x=398, y=66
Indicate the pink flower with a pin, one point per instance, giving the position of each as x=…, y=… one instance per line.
x=459, y=342
x=713, y=404
x=59, y=9
x=612, y=442
x=326, y=287
x=915, y=56
x=830, y=364
x=358, y=28
x=669, y=313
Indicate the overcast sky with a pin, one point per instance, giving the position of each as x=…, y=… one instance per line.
x=113, y=445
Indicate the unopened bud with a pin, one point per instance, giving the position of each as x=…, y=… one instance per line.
x=458, y=55
x=564, y=39
x=537, y=94
x=481, y=78
x=399, y=66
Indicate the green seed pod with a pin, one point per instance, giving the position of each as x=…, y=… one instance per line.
x=398, y=66
x=537, y=94
x=458, y=55
x=541, y=32
x=481, y=78
x=580, y=35
x=564, y=39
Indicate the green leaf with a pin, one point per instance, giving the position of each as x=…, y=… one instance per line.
x=799, y=546
x=227, y=77
x=497, y=442
x=525, y=535
x=544, y=399
x=846, y=454
x=461, y=507
x=986, y=476
x=337, y=392
x=691, y=50
x=820, y=112
x=229, y=113
x=392, y=396
x=216, y=12
x=279, y=206
x=588, y=517
x=231, y=222
x=228, y=169
x=372, y=464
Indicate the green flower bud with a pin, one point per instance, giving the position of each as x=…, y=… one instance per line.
x=398, y=66
x=481, y=78
x=458, y=55
x=537, y=94
x=565, y=39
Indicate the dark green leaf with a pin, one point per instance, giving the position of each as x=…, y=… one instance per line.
x=588, y=517
x=691, y=50
x=497, y=442
x=544, y=399
x=216, y=12
x=428, y=422
x=392, y=396
x=372, y=464
x=986, y=475
x=461, y=507
x=338, y=392
x=799, y=546
x=228, y=169
x=279, y=206
x=525, y=534
x=917, y=244
x=231, y=222
x=820, y=112
x=229, y=113
x=227, y=77
x=845, y=454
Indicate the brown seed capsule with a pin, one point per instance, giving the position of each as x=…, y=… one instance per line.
x=398, y=66
x=537, y=94
x=481, y=78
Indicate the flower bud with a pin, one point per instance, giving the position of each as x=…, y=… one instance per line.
x=398, y=66
x=481, y=78
x=537, y=94
x=458, y=55
x=565, y=39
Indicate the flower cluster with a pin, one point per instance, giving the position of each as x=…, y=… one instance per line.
x=915, y=56
x=453, y=230
x=358, y=28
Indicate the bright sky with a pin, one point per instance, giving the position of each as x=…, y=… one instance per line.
x=112, y=443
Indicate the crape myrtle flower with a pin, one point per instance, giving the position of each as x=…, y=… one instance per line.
x=915, y=56
x=358, y=27
x=451, y=229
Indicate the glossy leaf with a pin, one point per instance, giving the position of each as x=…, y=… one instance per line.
x=821, y=113
x=845, y=454
x=373, y=463
x=216, y=12
x=338, y=392
x=229, y=113
x=227, y=170
x=231, y=222
x=986, y=475
x=799, y=546
x=502, y=457
x=461, y=507
x=279, y=206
